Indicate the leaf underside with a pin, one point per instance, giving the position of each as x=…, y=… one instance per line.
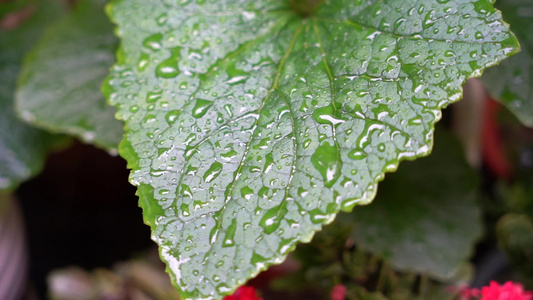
x=22, y=148
x=424, y=218
x=512, y=81
x=249, y=127
x=59, y=87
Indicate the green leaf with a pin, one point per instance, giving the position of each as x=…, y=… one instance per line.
x=512, y=81
x=425, y=218
x=249, y=127
x=59, y=87
x=22, y=148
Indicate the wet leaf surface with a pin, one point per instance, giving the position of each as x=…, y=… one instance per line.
x=59, y=88
x=248, y=127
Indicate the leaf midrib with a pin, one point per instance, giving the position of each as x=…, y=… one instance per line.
x=244, y=156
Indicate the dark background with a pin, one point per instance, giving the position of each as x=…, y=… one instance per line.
x=80, y=211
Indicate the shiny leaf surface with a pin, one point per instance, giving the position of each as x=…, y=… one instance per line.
x=512, y=81
x=248, y=126
x=425, y=218
x=22, y=148
x=59, y=88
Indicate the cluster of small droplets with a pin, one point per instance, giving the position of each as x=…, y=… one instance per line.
x=249, y=128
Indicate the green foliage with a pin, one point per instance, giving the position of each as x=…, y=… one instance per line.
x=512, y=81
x=515, y=236
x=249, y=126
x=425, y=218
x=22, y=148
x=331, y=259
x=514, y=228
x=66, y=70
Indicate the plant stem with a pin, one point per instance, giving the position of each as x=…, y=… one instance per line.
x=382, y=279
x=423, y=286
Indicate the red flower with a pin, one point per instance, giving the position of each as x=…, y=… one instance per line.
x=508, y=291
x=244, y=293
x=338, y=292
